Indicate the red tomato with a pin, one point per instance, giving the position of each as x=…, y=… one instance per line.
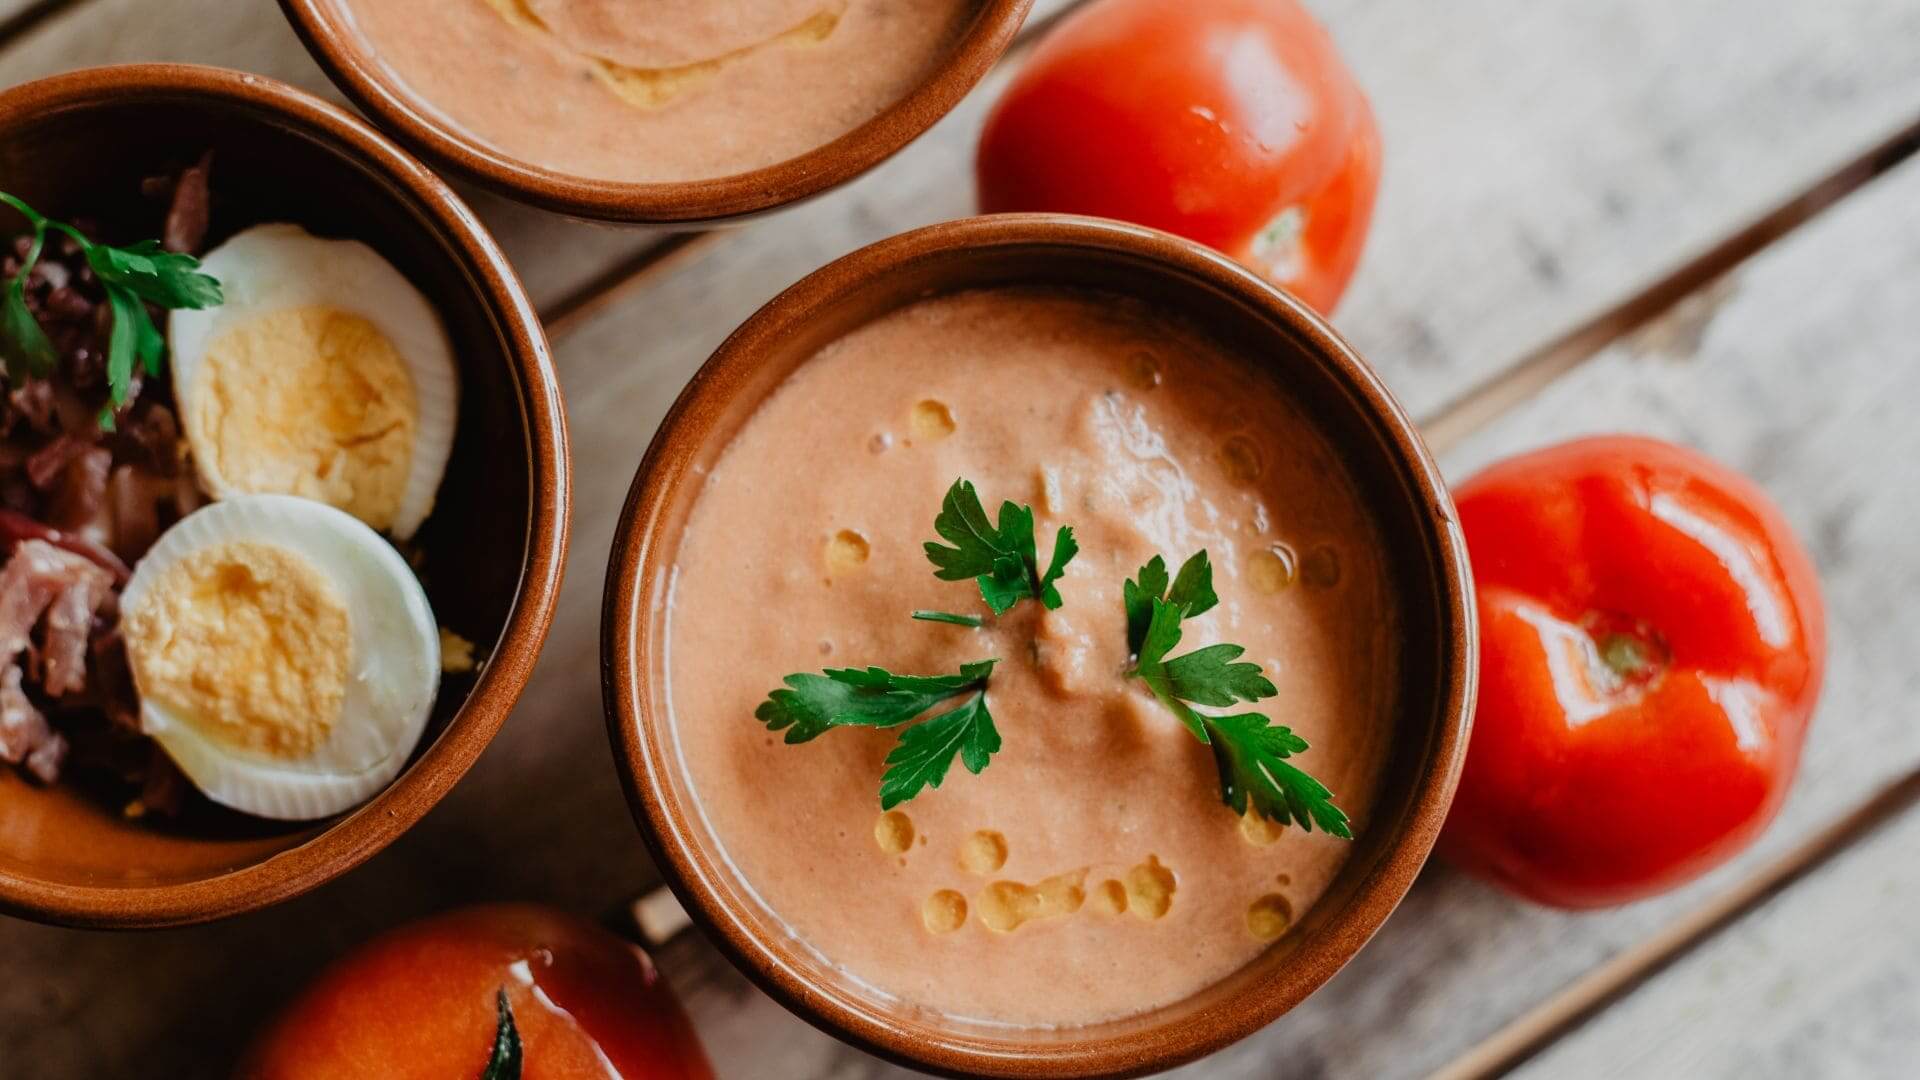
x=1651, y=641
x=1230, y=122
x=422, y=1002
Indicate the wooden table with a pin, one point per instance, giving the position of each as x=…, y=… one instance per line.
x=1684, y=217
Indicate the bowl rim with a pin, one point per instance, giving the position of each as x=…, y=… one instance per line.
x=625, y=622
x=344, y=57
x=350, y=840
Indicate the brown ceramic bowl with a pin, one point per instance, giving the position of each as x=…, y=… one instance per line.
x=79, y=144
x=344, y=53
x=1294, y=346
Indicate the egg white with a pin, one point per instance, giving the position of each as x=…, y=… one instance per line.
x=272, y=268
x=393, y=673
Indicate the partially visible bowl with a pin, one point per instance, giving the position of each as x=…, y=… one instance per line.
x=1284, y=340
x=494, y=546
x=343, y=51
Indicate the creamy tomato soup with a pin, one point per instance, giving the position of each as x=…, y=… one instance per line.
x=660, y=90
x=1091, y=871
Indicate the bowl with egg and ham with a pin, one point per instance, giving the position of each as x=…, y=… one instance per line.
x=1035, y=646
x=283, y=494
x=662, y=113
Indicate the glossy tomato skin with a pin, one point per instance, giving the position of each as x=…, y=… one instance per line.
x=420, y=1002
x=1229, y=122
x=1652, y=645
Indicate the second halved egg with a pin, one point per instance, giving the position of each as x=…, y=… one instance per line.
x=326, y=374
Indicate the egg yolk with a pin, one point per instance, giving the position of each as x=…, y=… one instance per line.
x=249, y=641
x=308, y=401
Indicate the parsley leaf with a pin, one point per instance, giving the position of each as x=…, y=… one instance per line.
x=811, y=705
x=1193, y=586
x=1210, y=676
x=927, y=749
x=1000, y=556
x=1249, y=750
x=950, y=618
x=132, y=277
x=25, y=345
x=1191, y=593
x=164, y=278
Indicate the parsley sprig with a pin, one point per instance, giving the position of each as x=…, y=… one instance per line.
x=812, y=705
x=132, y=277
x=1249, y=750
x=999, y=556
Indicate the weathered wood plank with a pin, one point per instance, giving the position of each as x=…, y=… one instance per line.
x=19, y=16
x=1524, y=189
x=1821, y=982
x=1556, y=1017
x=1546, y=159
x=1790, y=372
x=1799, y=375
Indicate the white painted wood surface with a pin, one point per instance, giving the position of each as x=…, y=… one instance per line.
x=1802, y=377
x=1542, y=161
x=1820, y=983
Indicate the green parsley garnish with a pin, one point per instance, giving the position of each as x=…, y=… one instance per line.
x=949, y=617
x=812, y=705
x=504, y=1062
x=1249, y=750
x=132, y=278
x=1000, y=557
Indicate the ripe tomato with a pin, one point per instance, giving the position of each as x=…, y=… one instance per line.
x=425, y=1002
x=1652, y=642
x=1230, y=122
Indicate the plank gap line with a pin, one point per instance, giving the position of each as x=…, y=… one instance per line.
x=1520, y=381
x=23, y=22
x=614, y=284
x=1533, y=1032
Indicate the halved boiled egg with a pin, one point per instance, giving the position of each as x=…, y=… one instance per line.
x=285, y=655
x=325, y=374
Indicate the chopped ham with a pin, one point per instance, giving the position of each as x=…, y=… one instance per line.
x=80, y=499
x=47, y=464
x=133, y=502
x=25, y=738
x=80, y=502
x=68, y=588
x=186, y=227
x=17, y=526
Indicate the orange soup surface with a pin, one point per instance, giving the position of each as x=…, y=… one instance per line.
x=659, y=90
x=1091, y=871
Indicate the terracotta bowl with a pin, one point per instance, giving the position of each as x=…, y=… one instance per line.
x=339, y=48
x=79, y=144
x=1396, y=476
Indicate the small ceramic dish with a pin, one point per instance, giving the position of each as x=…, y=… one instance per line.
x=493, y=548
x=343, y=51
x=1390, y=465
